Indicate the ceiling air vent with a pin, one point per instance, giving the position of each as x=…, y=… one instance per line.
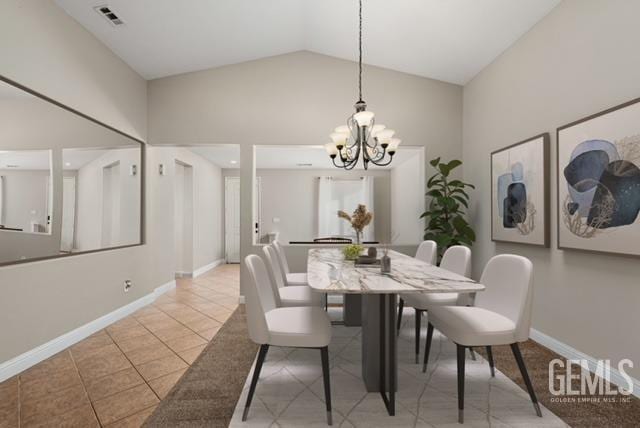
x=304, y=164
x=109, y=15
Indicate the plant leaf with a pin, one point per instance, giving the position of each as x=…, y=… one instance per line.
x=462, y=200
x=435, y=162
x=454, y=164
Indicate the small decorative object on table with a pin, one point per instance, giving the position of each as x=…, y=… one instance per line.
x=373, y=252
x=385, y=261
x=359, y=220
x=352, y=251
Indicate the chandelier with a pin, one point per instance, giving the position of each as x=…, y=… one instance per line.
x=361, y=135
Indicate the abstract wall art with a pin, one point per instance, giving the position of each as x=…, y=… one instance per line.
x=520, y=192
x=599, y=182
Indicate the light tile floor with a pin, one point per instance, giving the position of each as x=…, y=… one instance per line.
x=290, y=391
x=117, y=376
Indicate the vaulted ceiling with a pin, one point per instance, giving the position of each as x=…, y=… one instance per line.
x=449, y=40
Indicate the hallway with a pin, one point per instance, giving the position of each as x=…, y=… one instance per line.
x=117, y=376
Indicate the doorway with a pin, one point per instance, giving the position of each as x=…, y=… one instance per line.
x=183, y=215
x=110, y=205
x=68, y=214
x=232, y=219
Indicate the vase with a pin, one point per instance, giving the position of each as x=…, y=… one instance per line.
x=385, y=264
x=358, y=237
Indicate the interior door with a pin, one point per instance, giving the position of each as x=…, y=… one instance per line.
x=257, y=212
x=68, y=213
x=232, y=219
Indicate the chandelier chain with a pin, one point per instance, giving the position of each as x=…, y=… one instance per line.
x=360, y=54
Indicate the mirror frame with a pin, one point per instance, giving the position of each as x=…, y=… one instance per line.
x=142, y=172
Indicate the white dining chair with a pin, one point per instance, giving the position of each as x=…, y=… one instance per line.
x=292, y=327
x=456, y=259
x=294, y=295
x=298, y=278
x=427, y=252
x=501, y=316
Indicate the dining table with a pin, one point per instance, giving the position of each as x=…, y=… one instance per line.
x=329, y=272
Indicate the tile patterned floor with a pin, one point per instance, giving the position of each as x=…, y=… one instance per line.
x=290, y=390
x=117, y=376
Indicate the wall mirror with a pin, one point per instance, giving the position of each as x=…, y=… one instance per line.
x=299, y=193
x=68, y=184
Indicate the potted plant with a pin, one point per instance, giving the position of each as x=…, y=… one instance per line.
x=360, y=219
x=352, y=251
x=446, y=223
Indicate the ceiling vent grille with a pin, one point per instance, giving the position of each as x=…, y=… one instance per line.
x=108, y=14
x=304, y=164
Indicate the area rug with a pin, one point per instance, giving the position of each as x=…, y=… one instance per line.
x=207, y=393
x=290, y=391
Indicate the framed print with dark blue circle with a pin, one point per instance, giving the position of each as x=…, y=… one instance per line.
x=520, y=192
x=599, y=182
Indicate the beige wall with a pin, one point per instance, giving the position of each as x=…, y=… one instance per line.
x=297, y=98
x=408, y=201
x=44, y=49
x=581, y=59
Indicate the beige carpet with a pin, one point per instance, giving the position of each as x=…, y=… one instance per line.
x=208, y=392
x=577, y=415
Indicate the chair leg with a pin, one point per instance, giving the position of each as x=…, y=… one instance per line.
x=254, y=381
x=473, y=354
x=525, y=375
x=427, y=347
x=461, y=360
x=324, y=353
x=418, y=325
x=400, y=309
x=490, y=358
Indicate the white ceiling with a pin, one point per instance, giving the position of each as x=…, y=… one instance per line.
x=74, y=159
x=27, y=159
x=224, y=156
x=449, y=40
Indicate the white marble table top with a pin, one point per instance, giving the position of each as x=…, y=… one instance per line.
x=328, y=271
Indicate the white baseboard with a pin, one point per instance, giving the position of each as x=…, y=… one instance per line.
x=573, y=354
x=206, y=268
x=23, y=361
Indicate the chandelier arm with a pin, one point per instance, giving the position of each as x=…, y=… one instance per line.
x=383, y=164
x=335, y=164
x=379, y=154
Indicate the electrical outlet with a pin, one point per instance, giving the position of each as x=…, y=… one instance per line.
x=127, y=285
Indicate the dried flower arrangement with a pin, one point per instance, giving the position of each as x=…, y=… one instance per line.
x=360, y=219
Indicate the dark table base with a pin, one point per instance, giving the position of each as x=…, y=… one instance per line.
x=379, y=346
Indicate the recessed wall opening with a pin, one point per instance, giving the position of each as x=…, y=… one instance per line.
x=203, y=222
x=298, y=193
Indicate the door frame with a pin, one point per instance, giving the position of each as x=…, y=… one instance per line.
x=227, y=229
